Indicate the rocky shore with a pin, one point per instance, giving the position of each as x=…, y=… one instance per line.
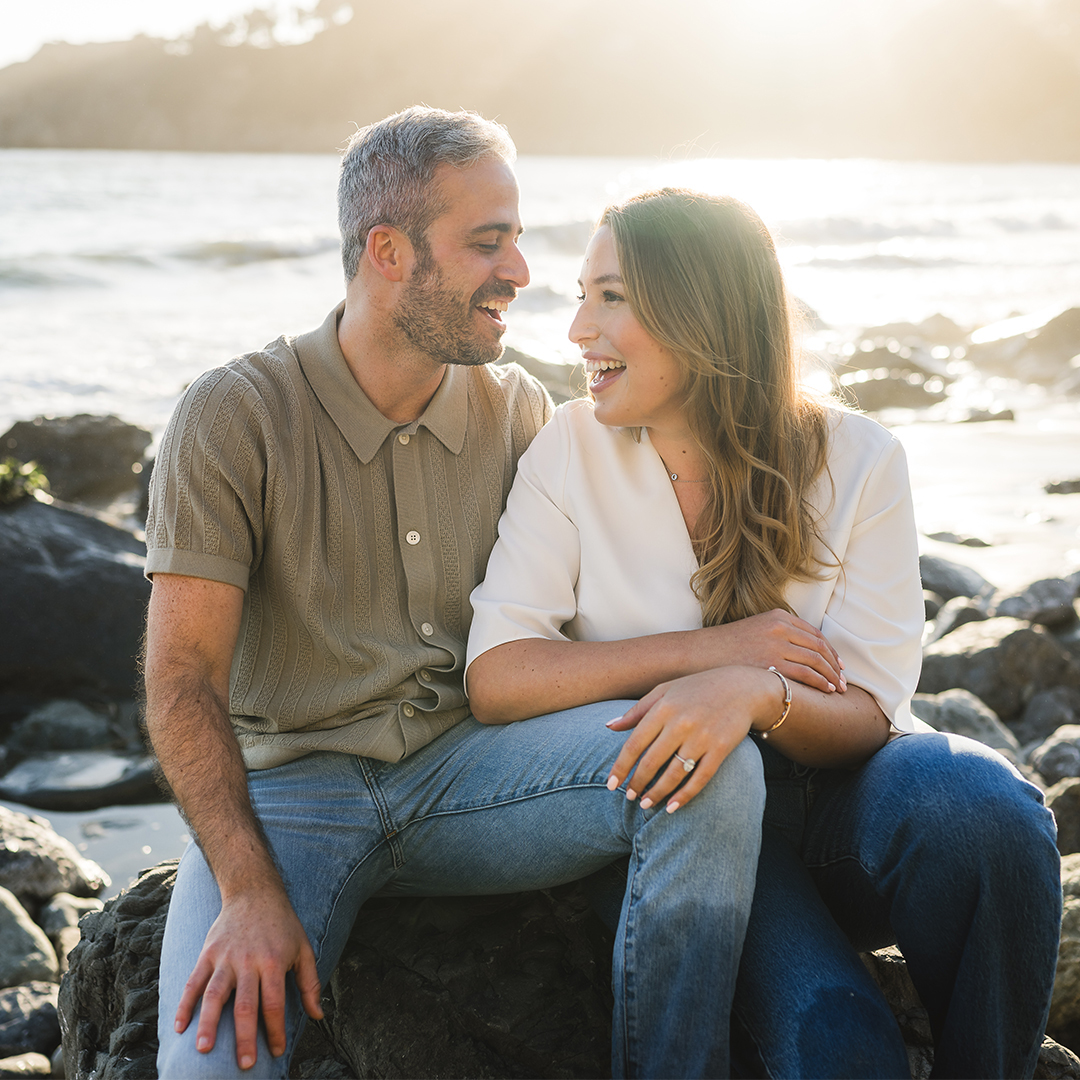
x=504, y=986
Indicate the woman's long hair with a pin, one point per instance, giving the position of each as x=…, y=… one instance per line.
x=701, y=274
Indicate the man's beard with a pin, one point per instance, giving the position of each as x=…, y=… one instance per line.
x=436, y=321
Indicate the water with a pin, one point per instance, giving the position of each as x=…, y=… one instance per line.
x=125, y=274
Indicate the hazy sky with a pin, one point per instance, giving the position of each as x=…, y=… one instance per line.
x=25, y=25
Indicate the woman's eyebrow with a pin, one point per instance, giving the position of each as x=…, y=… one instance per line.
x=606, y=279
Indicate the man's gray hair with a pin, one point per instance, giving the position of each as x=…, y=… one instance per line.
x=387, y=171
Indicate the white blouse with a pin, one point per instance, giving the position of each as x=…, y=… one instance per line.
x=593, y=547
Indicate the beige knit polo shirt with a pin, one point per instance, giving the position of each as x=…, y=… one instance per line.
x=357, y=540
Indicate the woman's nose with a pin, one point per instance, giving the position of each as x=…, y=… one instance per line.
x=583, y=328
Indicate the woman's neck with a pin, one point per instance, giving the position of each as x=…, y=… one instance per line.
x=685, y=464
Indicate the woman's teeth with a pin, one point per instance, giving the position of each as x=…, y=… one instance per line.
x=592, y=366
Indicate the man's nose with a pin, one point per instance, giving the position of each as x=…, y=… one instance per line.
x=514, y=268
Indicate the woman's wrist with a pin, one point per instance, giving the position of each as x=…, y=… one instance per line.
x=778, y=709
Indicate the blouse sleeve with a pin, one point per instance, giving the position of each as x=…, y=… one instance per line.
x=529, y=589
x=874, y=616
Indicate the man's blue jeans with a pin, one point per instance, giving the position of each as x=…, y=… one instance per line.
x=504, y=809
x=936, y=844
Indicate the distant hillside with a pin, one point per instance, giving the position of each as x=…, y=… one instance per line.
x=952, y=80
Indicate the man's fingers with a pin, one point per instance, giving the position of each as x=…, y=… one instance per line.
x=307, y=982
x=273, y=1008
x=214, y=997
x=193, y=989
x=246, y=1019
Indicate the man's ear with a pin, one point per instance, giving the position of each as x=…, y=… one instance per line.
x=390, y=252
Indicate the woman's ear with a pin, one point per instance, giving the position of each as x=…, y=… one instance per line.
x=389, y=251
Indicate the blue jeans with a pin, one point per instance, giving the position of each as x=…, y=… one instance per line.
x=503, y=809
x=936, y=844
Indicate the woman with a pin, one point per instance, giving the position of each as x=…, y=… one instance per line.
x=742, y=558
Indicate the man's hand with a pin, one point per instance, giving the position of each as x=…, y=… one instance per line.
x=255, y=940
x=784, y=641
x=702, y=718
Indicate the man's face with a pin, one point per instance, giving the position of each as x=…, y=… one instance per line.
x=467, y=269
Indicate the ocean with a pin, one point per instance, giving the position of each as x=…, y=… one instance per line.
x=125, y=274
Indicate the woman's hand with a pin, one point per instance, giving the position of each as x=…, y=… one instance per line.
x=702, y=718
x=784, y=641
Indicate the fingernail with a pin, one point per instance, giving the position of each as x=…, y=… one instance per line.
x=203, y=1042
x=646, y=803
x=672, y=807
x=247, y=1061
x=631, y=794
x=831, y=688
x=613, y=720
x=612, y=783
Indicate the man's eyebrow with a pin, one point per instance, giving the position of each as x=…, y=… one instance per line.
x=496, y=226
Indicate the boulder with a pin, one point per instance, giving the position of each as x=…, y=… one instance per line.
x=962, y=713
x=955, y=613
x=562, y=381
x=26, y=954
x=36, y=863
x=949, y=579
x=29, y=1022
x=86, y=458
x=74, y=599
x=82, y=780
x=1070, y=875
x=1063, y=799
x=932, y=604
x=1048, y=602
x=1003, y=662
x=60, y=725
x=901, y=387
x=65, y=910
x=1064, y=1022
x=1059, y=756
x=1045, y=713
x=1062, y=487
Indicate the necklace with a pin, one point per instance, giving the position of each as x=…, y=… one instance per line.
x=675, y=476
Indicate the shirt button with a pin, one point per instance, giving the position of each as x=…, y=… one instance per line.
x=413, y=536
x=425, y=675
x=403, y=438
x=407, y=709
x=427, y=629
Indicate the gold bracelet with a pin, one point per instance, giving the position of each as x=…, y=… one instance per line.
x=787, y=704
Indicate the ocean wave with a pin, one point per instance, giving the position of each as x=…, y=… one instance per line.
x=883, y=262
x=566, y=237
x=845, y=230
x=1046, y=223
x=17, y=274
x=240, y=252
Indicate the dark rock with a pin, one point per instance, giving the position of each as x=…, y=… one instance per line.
x=36, y=863
x=1047, y=711
x=892, y=388
x=26, y=1065
x=60, y=725
x=931, y=603
x=1063, y=799
x=1056, y=1062
x=26, y=954
x=562, y=381
x=74, y=599
x=82, y=780
x=1059, y=756
x=65, y=910
x=949, y=579
x=1062, y=487
x=1070, y=875
x=962, y=713
x=982, y=416
x=958, y=538
x=86, y=458
x=28, y=1019
x=1039, y=355
x=1003, y=662
x=955, y=613
x=1064, y=1022
x=1048, y=602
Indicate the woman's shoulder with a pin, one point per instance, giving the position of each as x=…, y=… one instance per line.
x=856, y=432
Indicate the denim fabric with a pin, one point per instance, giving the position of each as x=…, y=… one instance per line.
x=938, y=845
x=503, y=809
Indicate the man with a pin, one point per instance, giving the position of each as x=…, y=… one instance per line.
x=321, y=511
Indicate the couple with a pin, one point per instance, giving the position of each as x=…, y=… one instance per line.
x=700, y=554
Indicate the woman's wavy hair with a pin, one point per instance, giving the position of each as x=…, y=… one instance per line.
x=700, y=273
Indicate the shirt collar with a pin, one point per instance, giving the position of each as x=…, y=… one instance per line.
x=364, y=427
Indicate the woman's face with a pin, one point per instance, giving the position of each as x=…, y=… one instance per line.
x=633, y=378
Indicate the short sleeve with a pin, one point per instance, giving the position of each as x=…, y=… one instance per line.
x=206, y=494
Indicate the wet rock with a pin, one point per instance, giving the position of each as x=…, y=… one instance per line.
x=1063, y=800
x=983, y=416
x=962, y=713
x=26, y=954
x=1048, y=602
x=28, y=1019
x=1003, y=662
x=36, y=863
x=1070, y=875
x=26, y=1065
x=1062, y=487
x=931, y=603
x=82, y=780
x=959, y=538
x=65, y=910
x=892, y=388
x=1047, y=711
x=76, y=596
x=1059, y=756
x=60, y=725
x=1064, y=1022
x=86, y=458
x=1056, y=1062
x=949, y=579
x=1030, y=354
x=955, y=613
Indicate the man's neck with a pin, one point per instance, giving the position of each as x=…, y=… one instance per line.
x=397, y=379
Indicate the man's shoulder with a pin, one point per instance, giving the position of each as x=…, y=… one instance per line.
x=521, y=392
x=264, y=374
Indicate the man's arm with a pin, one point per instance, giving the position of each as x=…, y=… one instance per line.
x=192, y=629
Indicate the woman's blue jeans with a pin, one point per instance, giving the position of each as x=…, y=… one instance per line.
x=504, y=809
x=936, y=844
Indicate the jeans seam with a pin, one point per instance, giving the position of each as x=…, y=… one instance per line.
x=390, y=832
